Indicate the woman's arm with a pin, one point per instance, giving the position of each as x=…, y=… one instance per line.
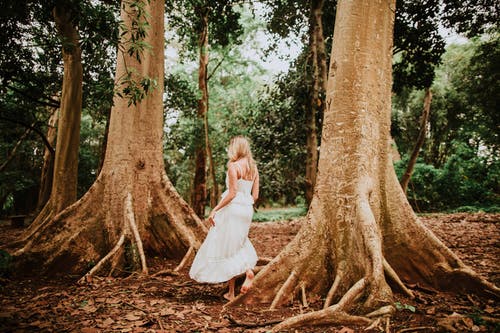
x=255, y=188
x=232, y=174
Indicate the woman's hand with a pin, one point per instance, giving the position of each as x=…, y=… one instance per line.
x=211, y=219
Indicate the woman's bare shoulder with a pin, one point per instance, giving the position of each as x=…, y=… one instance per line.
x=232, y=167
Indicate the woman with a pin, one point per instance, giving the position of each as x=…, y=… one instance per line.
x=227, y=251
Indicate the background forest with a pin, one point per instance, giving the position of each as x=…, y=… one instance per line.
x=259, y=84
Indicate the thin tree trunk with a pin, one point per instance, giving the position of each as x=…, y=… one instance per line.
x=198, y=196
x=64, y=185
x=47, y=173
x=316, y=103
x=405, y=179
x=214, y=193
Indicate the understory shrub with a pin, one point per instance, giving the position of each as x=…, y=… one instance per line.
x=466, y=182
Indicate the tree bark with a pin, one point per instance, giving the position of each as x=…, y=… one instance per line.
x=198, y=196
x=132, y=210
x=405, y=179
x=214, y=193
x=360, y=237
x=65, y=174
x=318, y=89
x=64, y=184
x=48, y=162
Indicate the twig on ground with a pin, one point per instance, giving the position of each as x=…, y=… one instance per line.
x=250, y=325
x=413, y=329
x=165, y=272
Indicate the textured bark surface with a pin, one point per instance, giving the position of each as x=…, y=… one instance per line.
x=64, y=184
x=318, y=89
x=360, y=239
x=405, y=179
x=65, y=169
x=199, y=193
x=48, y=162
x=132, y=209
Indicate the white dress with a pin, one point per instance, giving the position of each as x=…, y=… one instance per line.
x=227, y=251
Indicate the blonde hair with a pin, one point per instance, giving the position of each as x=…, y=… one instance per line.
x=239, y=148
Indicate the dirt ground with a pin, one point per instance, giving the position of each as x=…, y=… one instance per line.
x=168, y=303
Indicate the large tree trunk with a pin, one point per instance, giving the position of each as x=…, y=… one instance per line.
x=318, y=89
x=405, y=179
x=198, y=196
x=361, y=237
x=132, y=209
x=48, y=162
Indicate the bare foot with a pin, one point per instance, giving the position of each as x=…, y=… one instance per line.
x=248, y=282
x=228, y=296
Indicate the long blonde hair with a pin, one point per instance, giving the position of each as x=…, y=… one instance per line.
x=239, y=147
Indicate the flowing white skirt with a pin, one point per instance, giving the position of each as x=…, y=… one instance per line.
x=226, y=251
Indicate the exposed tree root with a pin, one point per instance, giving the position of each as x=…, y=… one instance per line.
x=114, y=263
x=334, y=314
x=96, y=268
x=332, y=291
x=185, y=259
x=165, y=272
x=235, y=322
x=285, y=290
x=351, y=295
x=414, y=329
x=262, y=261
x=394, y=277
x=129, y=230
x=133, y=226
x=374, y=324
x=383, y=311
x=321, y=317
x=44, y=215
x=304, y=297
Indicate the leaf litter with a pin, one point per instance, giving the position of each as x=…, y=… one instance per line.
x=177, y=304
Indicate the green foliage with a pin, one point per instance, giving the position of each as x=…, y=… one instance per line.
x=458, y=167
x=279, y=214
x=30, y=82
x=466, y=182
x=417, y=39
x=400, y=306
x=417, y=43
x=234, y=88
x=182, y=129
x=185, y=18
x=133, y=85
x=471, y=17
x=5, y=263
x=277, y=130
x=91, y=139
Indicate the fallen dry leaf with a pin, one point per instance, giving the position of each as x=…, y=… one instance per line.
x=132, y=317
x=89, y=330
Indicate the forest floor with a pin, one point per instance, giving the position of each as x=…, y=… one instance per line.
x=177, y=304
